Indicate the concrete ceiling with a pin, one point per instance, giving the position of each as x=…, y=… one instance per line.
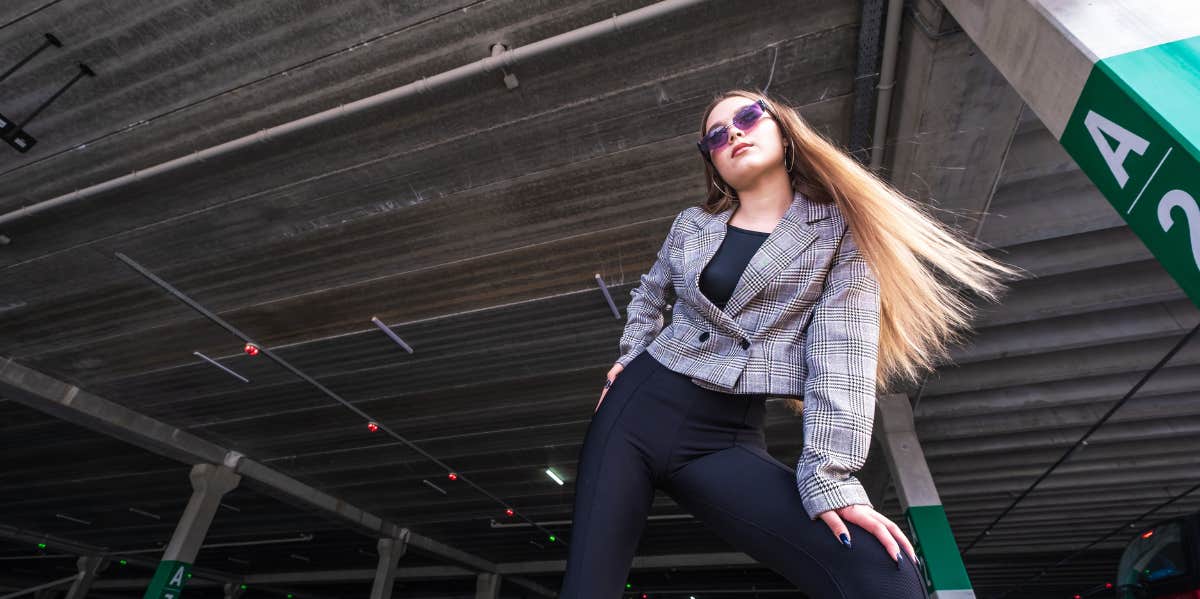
x=473, y=219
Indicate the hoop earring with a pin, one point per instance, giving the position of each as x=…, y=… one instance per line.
x=791, y=162
x=721, y=189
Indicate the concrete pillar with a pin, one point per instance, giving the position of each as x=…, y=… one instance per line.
x=209, y=484
x=390, y=551
x=943, y=570
x=1115, y=83
x=233, y=590
x=89, y=567
x=487, y=585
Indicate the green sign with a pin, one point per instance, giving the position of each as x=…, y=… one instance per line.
x=1135, y=132
x=168, y=580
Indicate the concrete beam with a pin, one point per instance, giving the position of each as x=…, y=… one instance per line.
x=1070, y=40
x=74, y=547
x=72, y=404
x=1113, y=83
x=509, y=571
x=953, y=118
x=41, y=588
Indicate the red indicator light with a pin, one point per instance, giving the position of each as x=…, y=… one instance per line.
x=1147, y=534
x=508, y=511
x=453, y=476
x=1108, y=585
x=371, y=426
x=251, y=349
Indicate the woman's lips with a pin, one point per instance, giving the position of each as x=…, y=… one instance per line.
x=739, y=151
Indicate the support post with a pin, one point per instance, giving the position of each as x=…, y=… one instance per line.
x=943, y=570
x=89, y=567
x=1119, y=98
x=487, y=585
x=390, y=551
x=209, y=484
x=233, y=590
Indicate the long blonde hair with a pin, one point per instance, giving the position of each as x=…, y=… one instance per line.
x=920, y=314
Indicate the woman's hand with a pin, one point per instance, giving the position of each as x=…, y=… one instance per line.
x=878, y=524
x=611, y=376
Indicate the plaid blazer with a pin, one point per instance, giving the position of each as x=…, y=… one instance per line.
x=801, y=323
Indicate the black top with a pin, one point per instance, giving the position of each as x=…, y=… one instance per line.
x=720, y=276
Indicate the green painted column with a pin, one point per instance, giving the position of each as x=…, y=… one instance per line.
x=168, y=580
x=943, y=570
x=1117, y=83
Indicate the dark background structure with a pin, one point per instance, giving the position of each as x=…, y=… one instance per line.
x=472, y=219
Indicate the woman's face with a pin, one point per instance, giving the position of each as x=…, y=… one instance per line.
x=765, y=151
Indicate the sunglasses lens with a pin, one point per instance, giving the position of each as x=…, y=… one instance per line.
x=746, y=117
x=743, y=120
x=716, y=139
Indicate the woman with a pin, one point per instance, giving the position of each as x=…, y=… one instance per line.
x=804, y=277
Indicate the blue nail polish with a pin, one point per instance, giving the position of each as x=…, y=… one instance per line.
x=845, y=540
x=899, y=559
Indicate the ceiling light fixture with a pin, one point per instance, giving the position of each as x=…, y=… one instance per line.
x=221, y=366
x=607, y=297
x=390, y=333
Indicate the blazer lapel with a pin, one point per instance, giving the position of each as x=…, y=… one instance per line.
x=787, y=241
x=698, y=249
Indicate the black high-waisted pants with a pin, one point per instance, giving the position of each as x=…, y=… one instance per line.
x=706, y=450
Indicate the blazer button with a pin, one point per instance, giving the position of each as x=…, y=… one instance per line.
x=745, y=344
x=704, y=336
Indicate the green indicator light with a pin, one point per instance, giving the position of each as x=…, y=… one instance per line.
x=243, y=587
x=189, y=574
x=289, y=596
x=628, y=586
x=553, y=538
x=123, y=562
x=41, y=545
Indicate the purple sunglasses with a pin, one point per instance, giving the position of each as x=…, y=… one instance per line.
x=745, y=120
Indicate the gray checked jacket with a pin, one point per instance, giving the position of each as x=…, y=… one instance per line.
x=801, y=323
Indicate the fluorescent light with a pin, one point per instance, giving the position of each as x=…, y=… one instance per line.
x=392, y=334
x=433, y=486
x=145, y=513
x=72, y=519
x=554, y=476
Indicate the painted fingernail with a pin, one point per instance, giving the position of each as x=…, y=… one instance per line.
x=899, y=559
x=845, y=539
